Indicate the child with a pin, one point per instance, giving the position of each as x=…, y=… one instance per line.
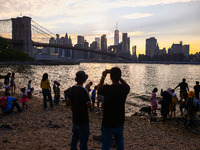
x=29, y=90
x=24, y=98
x=154, y=104
x=93, y=96
x=7, y=89
x=54, y=87
x=57, y=94
x=88, y=86
x=12, y=83
x=172, y=106
x=191, y=107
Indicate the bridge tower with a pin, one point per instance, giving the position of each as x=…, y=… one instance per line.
x=21, y=31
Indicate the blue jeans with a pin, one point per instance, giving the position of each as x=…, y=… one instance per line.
x=13, y=105
x=80, y=132
x=107, y=137
x=46, y=93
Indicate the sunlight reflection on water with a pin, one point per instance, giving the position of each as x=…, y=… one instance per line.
x=142, y=78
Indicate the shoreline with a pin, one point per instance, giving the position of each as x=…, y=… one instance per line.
x=36, y=128
x=78, y=63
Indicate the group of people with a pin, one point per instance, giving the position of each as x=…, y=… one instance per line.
x=189, y=100
x=113, y=99
x=7, y=102
x=80, y=100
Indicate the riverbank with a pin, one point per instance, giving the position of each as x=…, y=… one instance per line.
x=50, y=129
x=114, y=62
x=41, y=63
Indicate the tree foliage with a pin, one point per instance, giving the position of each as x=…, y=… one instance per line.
x=7, y=52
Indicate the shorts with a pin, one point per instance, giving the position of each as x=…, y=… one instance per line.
x=93, y=99
x=100, y=98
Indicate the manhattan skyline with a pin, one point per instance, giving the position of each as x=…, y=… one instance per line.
x=170, y=21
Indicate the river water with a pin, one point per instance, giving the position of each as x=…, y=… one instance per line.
x=142, y=78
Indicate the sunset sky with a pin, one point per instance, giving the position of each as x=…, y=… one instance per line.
x=169, y=21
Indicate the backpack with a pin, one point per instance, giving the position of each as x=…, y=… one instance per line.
x=3, y=102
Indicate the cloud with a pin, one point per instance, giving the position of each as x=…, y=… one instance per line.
x=141, y=33
x=137, y=15
x=72, y=10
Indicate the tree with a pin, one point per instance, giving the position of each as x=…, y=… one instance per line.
x=7, y=52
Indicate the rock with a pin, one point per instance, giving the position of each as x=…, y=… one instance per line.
x=4, y=141
x=146, y=109
x=5, y=126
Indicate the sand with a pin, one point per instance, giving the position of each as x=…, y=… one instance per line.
x=50, y=129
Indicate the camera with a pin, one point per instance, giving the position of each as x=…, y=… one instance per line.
x=107, y=70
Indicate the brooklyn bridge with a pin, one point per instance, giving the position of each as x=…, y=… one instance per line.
x=30, y=37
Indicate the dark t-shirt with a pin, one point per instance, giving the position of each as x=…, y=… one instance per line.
x=197, y=90
x=79, y=98
x=114, y=104
x=183, y=87
x=7, y=79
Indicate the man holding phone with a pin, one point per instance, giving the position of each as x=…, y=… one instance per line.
x=114, y=108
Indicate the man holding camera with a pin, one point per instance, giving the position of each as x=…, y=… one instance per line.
x=114, y=108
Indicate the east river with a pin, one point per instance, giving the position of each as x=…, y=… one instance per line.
x=142, y=78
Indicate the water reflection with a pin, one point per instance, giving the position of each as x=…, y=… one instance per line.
x=142, y=78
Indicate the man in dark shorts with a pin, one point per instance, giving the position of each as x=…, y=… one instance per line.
x=80, y=101
x=184, y=89
x=114, y=108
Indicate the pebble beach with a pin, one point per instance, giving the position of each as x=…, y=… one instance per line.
x=50, y=129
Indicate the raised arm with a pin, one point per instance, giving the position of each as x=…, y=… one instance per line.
x=104, y=73
x=122, y=81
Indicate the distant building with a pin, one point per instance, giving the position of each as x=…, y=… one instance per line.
x=161, y=52
x=103, y=42
x=124, y=42
x=52, y=49
x=116, y=36
x=176, y=48
x=134, y=55
x=128, y=45
x=57, y=38
x=93, y=46
x=151, y=46
x=98, y=40
x=86, y=54
x=186, y=51
x=80, y=44
x=80, y=40
x=68, y=42
x=180, y=49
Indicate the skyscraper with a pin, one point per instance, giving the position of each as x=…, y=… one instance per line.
x=98, y=40
x=103, y=42
x=186, y=50
x=116, y=36
x=52, y=49
x=80, y=40
x=57, y=38
x=124, y=42
x=151, y=46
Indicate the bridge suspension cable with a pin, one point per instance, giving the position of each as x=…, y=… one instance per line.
x=40, y=34
x=6, y=28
